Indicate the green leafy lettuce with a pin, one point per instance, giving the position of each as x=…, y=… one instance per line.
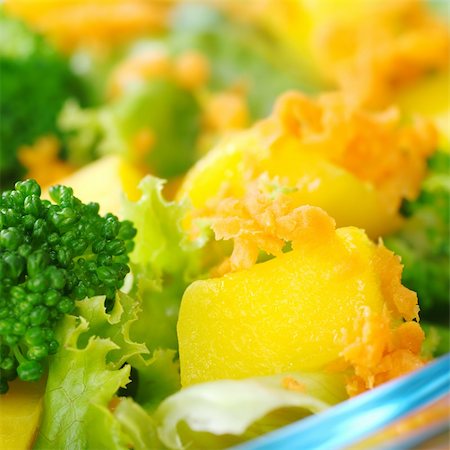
x=164, y=262
x=222, y=413
x=85, y=375
x=138, y=425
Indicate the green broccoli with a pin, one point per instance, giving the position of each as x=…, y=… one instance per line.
x=160, y=106
x=35, y=82
x=423, y=243
x=51, y=254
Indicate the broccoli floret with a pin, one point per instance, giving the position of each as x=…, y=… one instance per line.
x=424, y=245
x=35, y=82
x=157, y=107
x=51, y=254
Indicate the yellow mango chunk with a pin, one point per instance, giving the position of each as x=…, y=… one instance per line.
x=318, y=181
x=104, y=181
x=426, y=98
x=355, y=164
x=222, y=166
x=20, y=414
x=337, y=191
x=286, y=314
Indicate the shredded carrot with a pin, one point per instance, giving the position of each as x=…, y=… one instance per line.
x=42, y=162
x=143, y=142
x=383, y=346
x=137, y=69
x=264, y=219
x=379, y=349
x=114, y=403
x=401, y=301
x=191, y=70
x=291, y=384
x=225, y=111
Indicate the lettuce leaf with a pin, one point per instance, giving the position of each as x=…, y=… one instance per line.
x=161, y=244
x=79, y=379
x=163, y=263
x=85, y=375
x=114, y=325
x=223, y=413
x=137, y=424
x=159, y=377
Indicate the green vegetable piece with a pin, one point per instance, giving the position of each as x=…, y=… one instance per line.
x=165, y=262
x=87, y=390
x=221, y=414
x=30, y=371
x=37, y=352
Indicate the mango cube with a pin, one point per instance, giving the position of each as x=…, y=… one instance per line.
x=21, y=410
x=104, y=181
x=286, y=314
x=318, y=182
x=356, y=165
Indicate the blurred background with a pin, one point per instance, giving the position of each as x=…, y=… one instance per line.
x=90, y=78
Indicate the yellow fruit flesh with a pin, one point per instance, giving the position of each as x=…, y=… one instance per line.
x=428, y=99
x=337, y=191
x=104, y=181
x=20, y=414
x=222, y=166
x=350, y=201
x=286, y=314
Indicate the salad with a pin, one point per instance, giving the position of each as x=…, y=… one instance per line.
x=216, y=219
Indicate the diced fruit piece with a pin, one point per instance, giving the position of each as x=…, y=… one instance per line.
x=319, y=182
x=223, y=166
x=356, y=164
x=425, y=98
x=104, y=181
x=287, y=314
x=21, y=409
